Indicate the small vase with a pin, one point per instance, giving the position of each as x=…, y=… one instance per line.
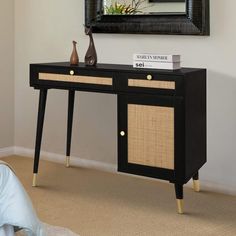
x=74, y=59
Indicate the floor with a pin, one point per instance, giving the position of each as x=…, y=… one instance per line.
x=95, y=203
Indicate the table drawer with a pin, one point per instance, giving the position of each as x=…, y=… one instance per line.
x=155, y=83
x=159, y=84
x=76, y=78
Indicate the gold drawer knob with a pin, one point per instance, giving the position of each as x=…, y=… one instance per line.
x=72, y=72
x=149, y=77
x=122, y=133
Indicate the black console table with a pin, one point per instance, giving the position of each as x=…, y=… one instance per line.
x=161, y=116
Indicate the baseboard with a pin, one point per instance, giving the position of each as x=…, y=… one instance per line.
x=77, y=161
x=7, y=151
x=59, y=158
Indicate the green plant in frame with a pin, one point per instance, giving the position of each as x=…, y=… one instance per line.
x=117, y=8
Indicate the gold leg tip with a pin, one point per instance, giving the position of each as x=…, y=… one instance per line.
x=34, y=180
x=180, y=206
x=196, y=185
x=67, y=161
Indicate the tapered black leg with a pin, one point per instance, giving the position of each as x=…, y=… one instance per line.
x=196, y=176
x=40, y=121
x=71, y=99
x=196, y=182
x=179, y=197
x=179, y=191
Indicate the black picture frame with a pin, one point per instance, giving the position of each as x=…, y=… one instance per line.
x=195, y=21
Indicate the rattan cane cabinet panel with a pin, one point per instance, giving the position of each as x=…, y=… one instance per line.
x=151, y=136
x=76, y=79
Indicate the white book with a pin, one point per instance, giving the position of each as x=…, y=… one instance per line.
x=157, y=65
x=156, y=57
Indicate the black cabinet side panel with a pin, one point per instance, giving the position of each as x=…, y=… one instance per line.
x=195, y=122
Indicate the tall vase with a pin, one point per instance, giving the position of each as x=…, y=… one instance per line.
x=91, y=54
x=74, y=59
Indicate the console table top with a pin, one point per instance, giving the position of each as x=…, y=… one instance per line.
x=120, y=68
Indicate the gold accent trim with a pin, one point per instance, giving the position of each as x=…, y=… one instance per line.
x=76, y=79
x=196, y=185
x=180, y=206
x=151, y=84
x=67, y=161
x=34, y=180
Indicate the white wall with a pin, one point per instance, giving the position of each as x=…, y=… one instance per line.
x=44, y=31
x=6, y=73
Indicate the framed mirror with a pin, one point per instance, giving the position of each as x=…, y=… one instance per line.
x=186, y=17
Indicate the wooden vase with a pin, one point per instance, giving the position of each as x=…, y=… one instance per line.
x=74, y=59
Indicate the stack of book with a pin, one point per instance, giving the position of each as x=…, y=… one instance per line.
x=156, y=61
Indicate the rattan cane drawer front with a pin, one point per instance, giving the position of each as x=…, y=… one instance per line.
x=158, y=84
x=151, y=136
x=152, y=81
x=76, y=79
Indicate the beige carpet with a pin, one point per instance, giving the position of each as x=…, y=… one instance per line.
x=94, y=203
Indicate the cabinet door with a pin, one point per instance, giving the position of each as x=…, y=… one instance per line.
x=147, y=134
